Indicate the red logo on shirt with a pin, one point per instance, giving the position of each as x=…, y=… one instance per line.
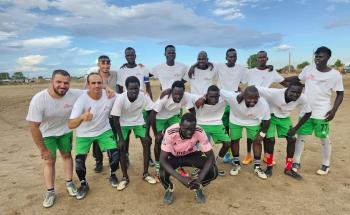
x=67, y=106
x=310, y=77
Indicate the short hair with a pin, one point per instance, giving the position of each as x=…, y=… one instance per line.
x=296, y=83
x=203, y=53
x=230, y=50
x=169, y=46
x=189, y=117
x=262, y=51
x=91, y=74
x=60, y=72
x=251, y=89
x=130, y=49
x=213, y=88
x=178, y=84
x=103, y=57
x=323, y=49
x=131, y=79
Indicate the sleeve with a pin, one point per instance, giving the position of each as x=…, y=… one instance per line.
x=159, y=104
x=338, y=84
x=148, y=103
x=190, y=99
x=277, y=77
x=35, y=111
x=303, y=105
x=154, y=72
x=216, y=76
x=245, y=76
x=117, y=106
x=302, y=75
x=184, y=71
x=264, y=92
x=186, y=77
x=266, y=114
x=119, y=78
x=203, y=140
x=166, y=143
x=228, y=96
x=78, y=108
x=146, y=79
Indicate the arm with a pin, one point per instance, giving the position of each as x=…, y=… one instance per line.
x=86, y=116
x=291, y=79
x=284, y=83
x=337, y=102
x=148, y=90
x=116, y=122
x=119, y=89
x=148, y=123
x=303, y=119
x=39, y=140
x=264, y=126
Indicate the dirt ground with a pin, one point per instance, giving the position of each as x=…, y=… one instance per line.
x=22, y=187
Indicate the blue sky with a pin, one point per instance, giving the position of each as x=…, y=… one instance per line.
x=38, y=36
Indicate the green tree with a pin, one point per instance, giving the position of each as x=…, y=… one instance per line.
x=338, y=63
x=18, y=75
x=302, y=65
x=252, y=61
x=4, y=75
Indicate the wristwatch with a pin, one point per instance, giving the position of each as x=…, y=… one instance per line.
x=262, y=134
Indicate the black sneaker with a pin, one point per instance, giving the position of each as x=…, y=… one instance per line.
x=199, y=195
x=168, y=196
x=99, y=166
x=268, y=171
x=221, y=173
x=113, y=180
x=293, y=174
x=82, y=191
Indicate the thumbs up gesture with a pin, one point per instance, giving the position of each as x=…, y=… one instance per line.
x=87, y=115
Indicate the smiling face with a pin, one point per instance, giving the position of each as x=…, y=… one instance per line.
x=231, y=57
x=177, y=93
x=130, y=56
x=170, y=54
x=60, y=84
x=212, y=97
x=104, y=65
x=262, y=59
x=133, y=90
x=321, y=59
x=95, y=84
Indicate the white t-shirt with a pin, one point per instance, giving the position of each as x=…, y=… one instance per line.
x=53, y=114
x=209, y=114
x=262, y=78
x=201, y=80
x=130, y=113
x=139, y=72
x=277, y=102
x=167, y=75
x=319, y=87
x=166, y=107
x=240, y=114
x=229, y=78
x=100, y=110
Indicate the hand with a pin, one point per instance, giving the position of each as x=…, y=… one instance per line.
x=110, y=92
x=185, y=181
x=194, y=184
x=200, y=102
x=159, y=137
x=191, y=71
x=210, y=66
x=292, y=132
x=330, y=115
x=270, y=67
x=45, y=154
x=87, y=116
x=166, y=92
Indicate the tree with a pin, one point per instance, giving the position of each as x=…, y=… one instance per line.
x=252, y=61
x=338, y=63
x=302, y=65
x=18, y=75
x=4, y=75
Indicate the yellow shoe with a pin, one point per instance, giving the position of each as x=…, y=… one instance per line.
x=265, y=160
x=248, y=159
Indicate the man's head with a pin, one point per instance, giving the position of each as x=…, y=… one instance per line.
x=60, y=81
x=294, y=91
x=251, y=96
x=132, y=85
x=170, y=52
x=130, y=55
x=322, y=55
x=94, y=82
x=213, y=94
x=104, y=64
x=177, y=91
x=202, y=60
x=231, y=56
x=188, y=125
x=262, y=58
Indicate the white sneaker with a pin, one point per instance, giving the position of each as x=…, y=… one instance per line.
x=72, y=190
x=323, y=170
x=49, y=199
x=122, y=184
x=235, y=169
x=149, y=179
x=260, y=173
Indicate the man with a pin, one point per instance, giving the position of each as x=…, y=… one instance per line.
x=209, y=111
x=179, y=149
x=282, y=102
x=109, y=79
x=249, y=111
x=320, y=81
x=127, y=116
x=166, y=112
x=170, y=71
x=261, y=76
x=203, y=75
x=90, y=118
x=48, y=115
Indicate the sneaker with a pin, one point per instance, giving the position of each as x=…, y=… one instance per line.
x=149, y=179
x=113, y=180
x=235, y=169
x=151, y=162
x=98, y=166
x=194, y=173
x=260, y=173
x=296, y=167
x=123, y=183
x=168, y=196
x=293, y=174
x=265, y=160
x=268, y=171
x=199, y=195
x=227, y=158
x=221, y=173
x=49, y=199
x=323, y=170
x=72, y=190
x=248, y=159
x=182, y=172
x=82, y=191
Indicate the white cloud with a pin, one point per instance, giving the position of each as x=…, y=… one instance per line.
x=343, y=22
x=283, y=47
x=80, y=51
x=232, y=9
x=48, y=42
x=30, y=63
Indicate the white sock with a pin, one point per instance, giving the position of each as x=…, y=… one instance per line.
x=326, y=151
x=299, y=148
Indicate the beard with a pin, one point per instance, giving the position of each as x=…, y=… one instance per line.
x=62, y=93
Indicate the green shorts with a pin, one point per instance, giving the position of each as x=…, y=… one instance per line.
x=106, y=141
x=226, y=117
x=62, y=143
x=139, y=131
x=320, y=126
x=217, y=132
x=282, y=125
x=236, y=131
x=163, y=124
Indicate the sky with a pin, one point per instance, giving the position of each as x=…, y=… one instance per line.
x=39, y=36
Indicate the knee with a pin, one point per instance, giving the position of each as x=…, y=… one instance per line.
x=66, y=155
x=291, y=140
x=113, y=154
x=226, y=144
x=50, y=162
